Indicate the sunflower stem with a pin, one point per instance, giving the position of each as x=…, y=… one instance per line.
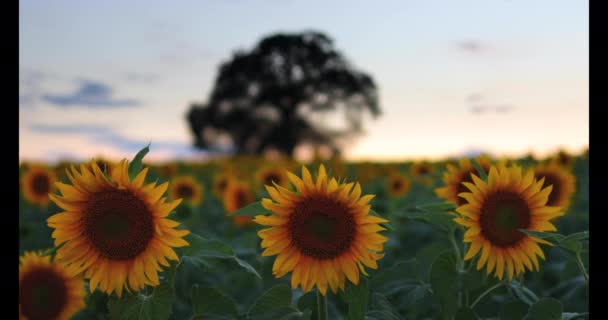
x=456, y=250
x=481, y=296
x=579, y=261
x=321, y=306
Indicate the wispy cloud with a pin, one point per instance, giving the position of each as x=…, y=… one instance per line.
x=107, y=136
x=479, y=105
x=142, y=78
x=473, y=46
x=90, y=94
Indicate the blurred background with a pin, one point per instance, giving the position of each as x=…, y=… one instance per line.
x=373, y=81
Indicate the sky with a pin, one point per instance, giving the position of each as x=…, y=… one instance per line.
x=104, y=78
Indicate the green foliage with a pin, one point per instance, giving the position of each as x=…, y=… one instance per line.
x=201, y=249
x=156, y=306
x=276, y=304
x=136, y=164
x=210, y=303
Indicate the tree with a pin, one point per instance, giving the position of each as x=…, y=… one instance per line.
x=283, y=93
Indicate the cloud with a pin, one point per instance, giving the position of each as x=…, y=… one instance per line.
x=30, y=82
x=90, y=94
x=142, y=78
x=473, y=46
x=107, y=136
x=482, y=108
x=479, y=105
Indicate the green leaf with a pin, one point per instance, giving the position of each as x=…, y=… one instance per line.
x=210, y=303
x=156, y=306
x=308, y=301
x=357, y=298
x=465, y=313
x=381, y=309
x=573, y=315
x=549, y=236
x=514, y=310
x=201, y=249
x=482, y=174
x=401, y=275
x=252, y=210
x=545, y=309
x=442, y=220
x=386, y=224
x=522, y=293
x=136, y=164
x=444, y=281
x=276, y=304
x=440, y=206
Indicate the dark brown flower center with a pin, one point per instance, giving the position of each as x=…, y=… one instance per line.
x=242, y=198
x=42, y=294
x=321, y=227
x=270, y=178
x=397, y=185
x=185, y=191
x=554, y=196
x=502, y=215
x=221, y=185
x=118, y=224
x=41, y=185
x=466, y=177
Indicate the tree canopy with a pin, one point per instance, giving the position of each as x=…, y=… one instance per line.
x=290, y=89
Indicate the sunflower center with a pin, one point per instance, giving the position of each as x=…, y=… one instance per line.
x=41, y=184
x=397, y=185
x=42, y=294
x=184, y=191
x=241, y=199
x=502, y=214
x=270, y=178
x=555, y=192
x=118, y=224
x=321, y=228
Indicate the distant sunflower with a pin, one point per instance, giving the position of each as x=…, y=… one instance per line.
x=168, y=169
x=561, y=179
x=47, y=290
x=37, y=183
x=421, y=169
x=220, y=181
x=454, y=177
x=186, y=188
x=495, y=212
x=563, y=158
x=105, y=165
x=397, y=185
x=236, y=196
x=323, y=233
x=115, y=230
x=267, y=175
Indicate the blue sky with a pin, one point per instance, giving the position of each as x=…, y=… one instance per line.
x=106, y=77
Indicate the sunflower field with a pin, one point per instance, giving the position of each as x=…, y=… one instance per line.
x=253, y=238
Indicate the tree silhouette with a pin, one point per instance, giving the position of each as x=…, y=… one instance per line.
x=285, y=92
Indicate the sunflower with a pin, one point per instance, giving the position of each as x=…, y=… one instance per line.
x=397, y=185
x=220, y=181
x=236, y=196
x=455, y=176
x=267, y=175
x=421, y=169
x=495, y=212
x=323, y=233
x=47, y=290
x=561, y=179
x=187, y=188
x=37, y=183
x=114, y=230
x=168, y=169
x=563, y=158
